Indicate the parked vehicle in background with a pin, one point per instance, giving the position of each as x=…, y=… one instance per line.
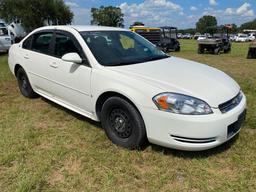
x=17, y=32
x=197, y=35
x=163, y=37
x=152, y=34
x=217, y=42
x=251, y=37
x=180, y=35
x=138, y=92
x=187, y=36
x=169, y=40
x=242, y=38
x=232, y=37
x=5, y=38
x=200, y=37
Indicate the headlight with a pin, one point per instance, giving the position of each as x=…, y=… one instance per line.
x=181, y=104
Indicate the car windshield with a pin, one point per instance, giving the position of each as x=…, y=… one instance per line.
x=113, y=48
x=3, y=31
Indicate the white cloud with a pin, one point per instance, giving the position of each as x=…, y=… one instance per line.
x=193, y=8
x=71, y=4
x=237, y=15
x=243, y=10
x=152, y=12
x=213, y=2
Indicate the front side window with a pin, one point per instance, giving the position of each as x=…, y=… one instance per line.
x=27, y=43
x=112, y=48
x=42, y=41
x=63, y=45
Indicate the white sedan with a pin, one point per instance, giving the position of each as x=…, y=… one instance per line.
x=138, y=92
x=242, y=38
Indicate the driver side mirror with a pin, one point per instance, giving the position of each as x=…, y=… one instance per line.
x=72, y=57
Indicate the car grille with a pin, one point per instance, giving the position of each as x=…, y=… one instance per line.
x=235, y=127
x=193, y=140
x=231, y=104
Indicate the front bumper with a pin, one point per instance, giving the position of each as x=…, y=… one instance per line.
x=193, y=132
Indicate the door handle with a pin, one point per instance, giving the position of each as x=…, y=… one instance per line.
x=54, y=65
x=26, y=57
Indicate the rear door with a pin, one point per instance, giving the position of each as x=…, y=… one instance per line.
x=72, y=82
x=37, y=56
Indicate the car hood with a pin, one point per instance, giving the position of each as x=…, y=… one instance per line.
x=184, y=77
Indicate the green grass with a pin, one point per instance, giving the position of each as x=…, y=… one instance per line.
x=44, y=147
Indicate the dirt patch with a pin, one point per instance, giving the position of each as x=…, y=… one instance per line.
x=56, y=177
x=73, y=165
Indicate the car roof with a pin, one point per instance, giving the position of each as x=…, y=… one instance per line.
x=82, y=28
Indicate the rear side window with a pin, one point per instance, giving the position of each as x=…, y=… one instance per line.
x=41, y=42
x=63, y=45
x=27, y=43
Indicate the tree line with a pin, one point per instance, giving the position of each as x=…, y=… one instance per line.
x=36, y=13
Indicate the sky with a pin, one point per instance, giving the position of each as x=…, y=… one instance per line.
x=180, y=13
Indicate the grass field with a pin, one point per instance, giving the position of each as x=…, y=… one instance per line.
x=44, y=147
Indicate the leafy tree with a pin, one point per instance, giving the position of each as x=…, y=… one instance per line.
x=107, y=16
x=36, y=13
x=189, y=30
x=234, y=28
x=204, y=22
x=249, y=25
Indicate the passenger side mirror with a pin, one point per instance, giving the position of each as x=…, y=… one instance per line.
x=72, y=57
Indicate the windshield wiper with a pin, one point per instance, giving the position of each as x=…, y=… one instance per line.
x=138, y=61
x=157, y=58
x=125, y=63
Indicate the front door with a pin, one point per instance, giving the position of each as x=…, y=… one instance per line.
x=72, y=81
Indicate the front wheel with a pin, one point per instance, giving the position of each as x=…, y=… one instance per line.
x=24, y=84
x=123, y=124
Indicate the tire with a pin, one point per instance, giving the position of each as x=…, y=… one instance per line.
x=249, y=56
x=217, y=51
x=200, y=51
x=123, y=124
x=177, y=49
x=226, y=50
x=24, y=84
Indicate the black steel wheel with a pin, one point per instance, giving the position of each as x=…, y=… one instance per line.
x=24, y=84
x=123, y=124
x=120, y=123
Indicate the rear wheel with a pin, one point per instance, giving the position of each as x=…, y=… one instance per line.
x=123, y=124
x=24, y=84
